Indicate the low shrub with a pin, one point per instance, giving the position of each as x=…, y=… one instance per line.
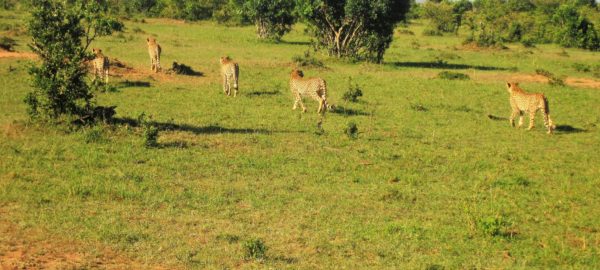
x=449, y=75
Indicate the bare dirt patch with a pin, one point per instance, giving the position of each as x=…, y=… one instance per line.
x=123, y=70
x=37, y=249
x=7, y=54
x=575, y=82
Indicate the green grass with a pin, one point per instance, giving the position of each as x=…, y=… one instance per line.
x=442, y=186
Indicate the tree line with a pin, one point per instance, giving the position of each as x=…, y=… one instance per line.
x=569, y=23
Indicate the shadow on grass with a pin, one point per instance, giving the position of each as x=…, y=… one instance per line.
x=444, y=65
x=302, y=43
x=263, y=93
x=497, y=118
x=569, y=129
x=212, y=129
x=128, y=83
x=349, y=112
x=183, y=69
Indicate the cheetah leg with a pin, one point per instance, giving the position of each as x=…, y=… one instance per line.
x=531, y=120
x=321, y=104
x=299, y=101
x=106, y=76
x=513, y=115
x=228, y=85
x=520, y=120
x=548, y=123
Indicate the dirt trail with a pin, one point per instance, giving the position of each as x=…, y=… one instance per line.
x=576, y=82
x=36, y=249
x=7, y=54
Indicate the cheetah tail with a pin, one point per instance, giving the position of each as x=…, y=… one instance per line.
x=236, y=74
x=550, y=124
x=546, y=106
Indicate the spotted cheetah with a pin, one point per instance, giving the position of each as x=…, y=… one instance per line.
x=520, y=102
x=230, y=71
x=316, y=88
x=100, y=64
x=154, y=51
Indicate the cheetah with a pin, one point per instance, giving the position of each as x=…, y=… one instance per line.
x=154, y=50
x=316, y=88
x=520, y=102
x=100, y=64
x=230, y=71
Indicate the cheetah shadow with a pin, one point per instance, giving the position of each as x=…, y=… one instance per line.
x=341, y=110
x=128, y=84
x=198, y=130
x=444, y=65
x=263, y=93
x=568, y=129
x=560, y=129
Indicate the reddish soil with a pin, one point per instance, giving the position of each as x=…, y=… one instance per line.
x=37, y=249
x=7, y=54
x=576, y=82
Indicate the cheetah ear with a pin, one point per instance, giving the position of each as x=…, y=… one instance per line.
x=508, y=85
x=147, y=39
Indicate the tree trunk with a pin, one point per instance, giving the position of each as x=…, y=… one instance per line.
x=262, y=29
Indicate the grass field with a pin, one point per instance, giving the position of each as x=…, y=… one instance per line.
x=430, y=182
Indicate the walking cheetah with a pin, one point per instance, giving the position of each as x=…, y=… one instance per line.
x=316, y=88
x=101, y=64
x=520, y=102
x=154, y=50
x=230, y=71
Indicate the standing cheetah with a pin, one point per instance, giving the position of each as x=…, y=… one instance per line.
x=316, y=88
x=520, y=102
x=230, y=71
x=154, y=51
x=101, y=64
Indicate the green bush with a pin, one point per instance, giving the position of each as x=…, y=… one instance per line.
x=307, y=60
x=581, y=67
x=7, y=44
x=449, y=75
x=351, y=130
x=496, y=226
x=255, y=249
x=149, y=131
x=57, y=32
x=353, y=92
x=552, y=79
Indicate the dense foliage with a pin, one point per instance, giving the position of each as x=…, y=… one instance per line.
x=353, y=28
x=273, y=18
x=61, y=35
x=493, y=22
x=444, y=16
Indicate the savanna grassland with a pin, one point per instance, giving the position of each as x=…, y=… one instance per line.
x=435, y=177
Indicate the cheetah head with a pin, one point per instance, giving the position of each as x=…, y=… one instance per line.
x=151, y=40
x=224, y=59
x=96, y=50
x=511, y=85
x=297, y=73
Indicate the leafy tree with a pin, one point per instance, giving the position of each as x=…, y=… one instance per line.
x=273, y=18
x=445, y=16
x=61, y=35
x=574, y=30
x=361, y=29
x=440, y=16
